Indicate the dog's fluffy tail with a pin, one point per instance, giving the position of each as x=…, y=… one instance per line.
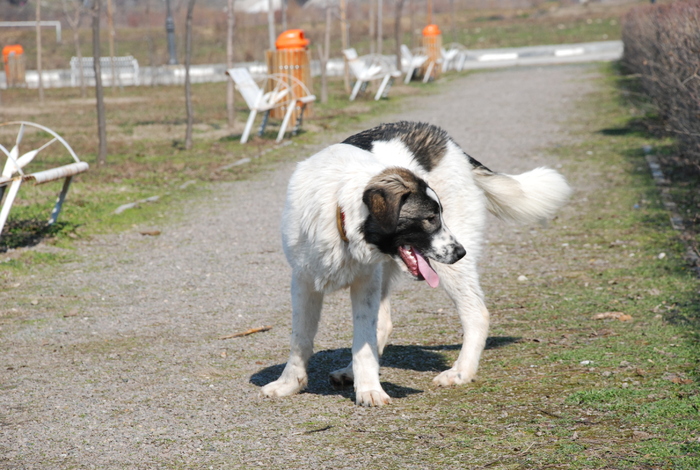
x=533, y=196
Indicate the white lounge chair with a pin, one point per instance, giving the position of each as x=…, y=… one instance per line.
x=281, y=94
x=368, y=68
x=13, y=174
x=412, y=61
x=453, y=57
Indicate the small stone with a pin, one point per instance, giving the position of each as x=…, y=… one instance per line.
x=522, y=278
x=661, y=255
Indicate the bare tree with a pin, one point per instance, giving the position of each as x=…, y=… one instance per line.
x=271, y=23
x=452, y=21
x=110, y=29
x=188, y=87
x=380, y=26
x=99, y=92
x=38, y=52
x=372, y=25
x=412, y=22
x=74, y=24
x=344, y=40
x=283, y=6
x=397, y=32
x=323, y=55
x=230, y=108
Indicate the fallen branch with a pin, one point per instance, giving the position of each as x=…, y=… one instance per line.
x=247, y=332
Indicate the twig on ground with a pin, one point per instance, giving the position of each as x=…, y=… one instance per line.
x=247, y=332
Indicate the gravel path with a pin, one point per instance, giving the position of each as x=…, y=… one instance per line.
x=117, y=363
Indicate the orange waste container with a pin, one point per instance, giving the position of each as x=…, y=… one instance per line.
x=291, y=59
x=13, y=60
x=432, y=42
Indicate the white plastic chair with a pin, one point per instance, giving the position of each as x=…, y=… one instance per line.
x=368, y=68
x=453, y=57
x=413, y=61
x=258, y=100
x=13, y=174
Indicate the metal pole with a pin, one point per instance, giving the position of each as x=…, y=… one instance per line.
x=170, y=29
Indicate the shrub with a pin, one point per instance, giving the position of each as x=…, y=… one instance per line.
x=662, y=45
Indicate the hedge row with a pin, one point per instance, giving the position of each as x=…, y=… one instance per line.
x=662, y=45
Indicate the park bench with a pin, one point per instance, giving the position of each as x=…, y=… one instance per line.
x=13, y=174
x=126, y=70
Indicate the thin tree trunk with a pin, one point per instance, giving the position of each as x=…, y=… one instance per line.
x=453, y=32
x=99, y=92
x=412, y=23
x=271, y=24
x=380, y=26
x=110, y=30
x=74, y=24
x=372, y=26
x=345, y=44
x=188, y=91
x=397, y=33
x=283, y=6
x=230, y=92
x=323, y=54
x=38, y=52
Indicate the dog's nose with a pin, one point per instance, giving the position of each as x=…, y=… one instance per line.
x=459, y=252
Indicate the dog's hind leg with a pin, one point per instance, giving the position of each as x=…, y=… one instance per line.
x=306, y=312
x=343, y=377
x=462, y=285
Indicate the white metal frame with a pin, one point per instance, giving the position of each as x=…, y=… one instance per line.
x=13, y=174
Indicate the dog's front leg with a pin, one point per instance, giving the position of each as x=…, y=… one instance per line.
x=344, y=377
x=461, y=284
x=365, y=293
x=306, y=311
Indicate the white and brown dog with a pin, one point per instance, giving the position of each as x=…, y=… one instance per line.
x=387, y=200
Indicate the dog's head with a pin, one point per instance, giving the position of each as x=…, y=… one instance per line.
x=405, y=222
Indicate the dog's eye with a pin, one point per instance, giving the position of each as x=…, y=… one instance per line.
x=432, y=220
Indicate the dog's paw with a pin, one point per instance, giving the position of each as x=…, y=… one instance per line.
x=283, y=388
x=342, y=378
x=452, y=377
x=372, y=398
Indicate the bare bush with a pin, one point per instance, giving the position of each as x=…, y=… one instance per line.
x=662, y=45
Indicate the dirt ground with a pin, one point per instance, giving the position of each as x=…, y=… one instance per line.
x=115, y=361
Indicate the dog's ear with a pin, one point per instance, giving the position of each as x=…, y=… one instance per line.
x=384, y=197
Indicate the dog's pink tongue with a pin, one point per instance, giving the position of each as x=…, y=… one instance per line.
x=427, y=271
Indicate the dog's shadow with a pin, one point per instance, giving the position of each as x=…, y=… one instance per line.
x=416, y=358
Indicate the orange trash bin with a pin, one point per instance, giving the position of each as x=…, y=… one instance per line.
x=432, y=43
x=291, y=59
x=13, y=60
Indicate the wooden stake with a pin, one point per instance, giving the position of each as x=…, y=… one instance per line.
x=38, y=52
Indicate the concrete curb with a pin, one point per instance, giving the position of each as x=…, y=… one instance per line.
x=677, y=222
